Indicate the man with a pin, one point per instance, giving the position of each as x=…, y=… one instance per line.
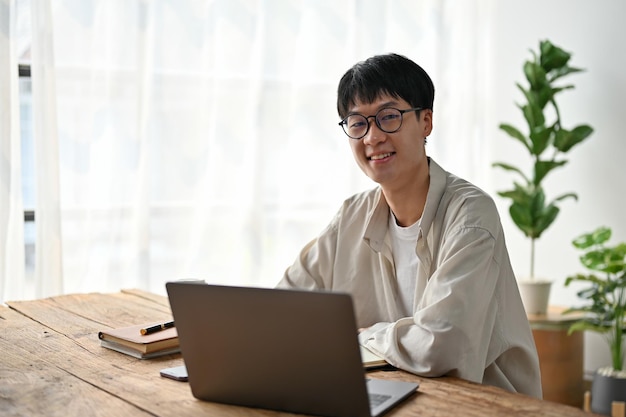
x=423, y=254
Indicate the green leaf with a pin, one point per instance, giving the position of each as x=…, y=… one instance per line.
x=537, y=98
x=564, y=196
x=552, y=57
x=606, y=259
x=584, y=278
x=534, y=117
x=529, y=211
x=562, y=72
x=543, y=167
x=595, y=260
x=535, y=75
x=520, y=194
x=583, y=325
x=516, y=134
x=614, y=266
x=545, y=219
x=509, y=167
x=597, y=237
x=540, y=138
x=522, y=218
x=557, y=90
x=605, y=295
x=538, y=198
x=544, y=95
x=620, y=249
x=566, y=140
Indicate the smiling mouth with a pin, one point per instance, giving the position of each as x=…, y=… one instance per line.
x=380, y=156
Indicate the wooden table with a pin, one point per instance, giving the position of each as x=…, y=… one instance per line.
x=52, y=364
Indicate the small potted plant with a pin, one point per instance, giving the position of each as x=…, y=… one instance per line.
x=605, y=311
x=546, y=140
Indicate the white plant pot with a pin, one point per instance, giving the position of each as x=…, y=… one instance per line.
x=535, y=295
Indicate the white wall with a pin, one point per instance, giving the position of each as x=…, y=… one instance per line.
x=594, y=33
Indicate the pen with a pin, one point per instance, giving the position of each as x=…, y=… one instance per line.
x=157, y=328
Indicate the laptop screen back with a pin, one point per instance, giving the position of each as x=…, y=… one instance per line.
x=285, y=350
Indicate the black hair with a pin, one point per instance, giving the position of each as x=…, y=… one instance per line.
x=390, y=74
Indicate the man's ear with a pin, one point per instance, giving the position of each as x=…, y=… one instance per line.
x=427, y=117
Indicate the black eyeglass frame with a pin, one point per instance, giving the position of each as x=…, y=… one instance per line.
x=344, y=122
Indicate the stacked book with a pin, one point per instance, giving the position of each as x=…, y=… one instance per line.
x=143, y=341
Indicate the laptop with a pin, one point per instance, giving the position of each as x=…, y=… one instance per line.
x=277, y=349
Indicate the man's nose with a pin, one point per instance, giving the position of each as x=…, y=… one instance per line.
x=374, y=134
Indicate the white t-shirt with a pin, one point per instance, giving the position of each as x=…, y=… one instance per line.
x=403, y=242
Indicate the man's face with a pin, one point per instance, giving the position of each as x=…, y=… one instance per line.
x=392, y=159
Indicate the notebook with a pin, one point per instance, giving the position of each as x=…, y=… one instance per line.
x=278, y=349
x=130, y=341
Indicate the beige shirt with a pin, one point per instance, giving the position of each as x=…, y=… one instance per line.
x=468, y=319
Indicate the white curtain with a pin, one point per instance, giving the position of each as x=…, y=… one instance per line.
x=199, y=139
x=48, y=260
x=11, y=212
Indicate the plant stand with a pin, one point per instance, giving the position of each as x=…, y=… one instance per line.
x=608, y=394
x=560, y=356
x=618, y=408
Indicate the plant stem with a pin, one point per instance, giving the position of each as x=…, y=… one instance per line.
x=617, y=348
x=558, y=113
x=617, y=351
x=532, y=258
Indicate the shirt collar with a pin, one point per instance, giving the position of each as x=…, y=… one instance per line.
x=377, y=223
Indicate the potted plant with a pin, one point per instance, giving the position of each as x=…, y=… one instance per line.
x=605, y=311
x=546, y=140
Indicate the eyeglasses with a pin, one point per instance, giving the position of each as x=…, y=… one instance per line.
x=388, y=119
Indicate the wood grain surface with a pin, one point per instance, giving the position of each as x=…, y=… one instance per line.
x=52, y=364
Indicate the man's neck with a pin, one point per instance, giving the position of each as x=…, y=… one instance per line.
x=407, y=202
